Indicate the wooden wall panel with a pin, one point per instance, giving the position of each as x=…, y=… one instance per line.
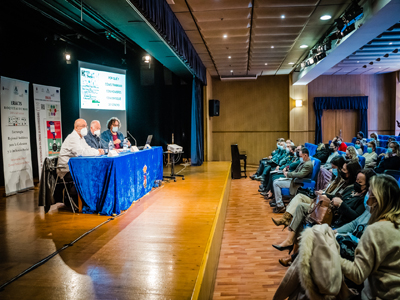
x=335, y=120
x=380, y=90
x=253, y=114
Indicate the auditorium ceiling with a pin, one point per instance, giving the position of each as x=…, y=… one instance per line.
x=254, y=37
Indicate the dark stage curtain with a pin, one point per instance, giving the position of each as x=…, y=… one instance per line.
x=197, y=155
x=358, y=103
x=163, y=19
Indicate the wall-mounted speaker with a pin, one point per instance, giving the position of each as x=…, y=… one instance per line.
x=213, y=108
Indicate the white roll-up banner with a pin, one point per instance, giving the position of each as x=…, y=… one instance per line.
x=15, y=135
x=47, y=122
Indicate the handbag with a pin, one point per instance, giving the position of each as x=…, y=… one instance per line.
x=322, y=211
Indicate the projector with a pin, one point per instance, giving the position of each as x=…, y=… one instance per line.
x=174, y=148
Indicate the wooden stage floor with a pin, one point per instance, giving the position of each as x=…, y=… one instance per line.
x=154, y=251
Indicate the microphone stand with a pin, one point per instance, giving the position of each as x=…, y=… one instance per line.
x=133, y=148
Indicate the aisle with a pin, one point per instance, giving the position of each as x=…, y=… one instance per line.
x=248, y=266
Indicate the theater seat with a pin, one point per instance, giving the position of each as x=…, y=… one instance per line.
x=307, y=182
x=397, y=138
x=349, y=144
x=383, y=144
x=353, y=140
x=380, y=150
x=383, y=137
x=361, y=160
x=311, y=148
x=365, y=148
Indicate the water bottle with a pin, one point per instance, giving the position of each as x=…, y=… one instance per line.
x=110, y=146
x=125, y=145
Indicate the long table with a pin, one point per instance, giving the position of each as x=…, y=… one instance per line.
x=108, y=185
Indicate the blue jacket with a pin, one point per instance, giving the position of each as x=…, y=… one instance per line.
x=106, y=136
x=94, y=141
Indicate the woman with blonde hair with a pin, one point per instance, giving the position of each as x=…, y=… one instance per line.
x=390, y=160
x=377, y=256
x=351, y=154
x=374, y=137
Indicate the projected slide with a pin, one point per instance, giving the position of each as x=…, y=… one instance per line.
x=102, y=90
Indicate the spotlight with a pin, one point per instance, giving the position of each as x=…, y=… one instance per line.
x=146, y=59
x=283, y=16
x=229, y=57
x=303, y=46
x=364, y=66
x=386, y=55
x=371, y=63
x=272, y=47
x=68, y=58
x=266, y=64
x=231, y=71
x=291, y=63
x=395, y=50
x=225, y=36
x=378, y=59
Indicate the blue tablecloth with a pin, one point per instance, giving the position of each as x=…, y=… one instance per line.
x=108, y=185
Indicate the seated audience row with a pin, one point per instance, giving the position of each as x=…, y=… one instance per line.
x=349, y=195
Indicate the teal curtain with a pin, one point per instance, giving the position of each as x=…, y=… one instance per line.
x=197, y=149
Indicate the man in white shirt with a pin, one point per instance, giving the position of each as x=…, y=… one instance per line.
x=75, y=145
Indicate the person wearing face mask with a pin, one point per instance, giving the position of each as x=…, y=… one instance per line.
x=93, y=136
x=351, y=154
x=358, y=146
x=377, y=256
x=374, y=137
x=75, y=145
x=342, y=145
x=370, y=156
x=390, y=160
x=276, y=154
x=360, y=136
x=112, y=134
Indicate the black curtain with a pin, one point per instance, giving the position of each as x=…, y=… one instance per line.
x=359, y=103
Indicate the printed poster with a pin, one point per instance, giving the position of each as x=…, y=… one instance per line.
x=15, y=135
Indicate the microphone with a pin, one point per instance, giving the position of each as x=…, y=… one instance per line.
x=133, y=148
x=131, y=137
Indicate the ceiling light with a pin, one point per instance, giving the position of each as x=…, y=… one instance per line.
x=231, y=71
x=68, y=58
x=390, y=43
x=291, y=63
x=266, y=64
x=326, y=17
x=229, y=57
x=283, y=16
x=225, y=36
x=303, y=46
x=272, y=47
x=357, y=61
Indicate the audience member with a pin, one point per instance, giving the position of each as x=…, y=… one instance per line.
x=322, y=153
x=358, y=145
x=377, y=256
x=325, y=175
x=351, y=154
x=389, y=160
x=374, y=137
x=370, y=156
x=360, y=136
x=342, y=145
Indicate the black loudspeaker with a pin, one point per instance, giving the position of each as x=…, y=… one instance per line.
x=214, y=108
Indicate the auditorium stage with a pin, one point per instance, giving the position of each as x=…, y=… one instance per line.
x=166, y=246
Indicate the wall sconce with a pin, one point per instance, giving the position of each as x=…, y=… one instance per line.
x=299, y=103
x=67, y=58
x=147, y=59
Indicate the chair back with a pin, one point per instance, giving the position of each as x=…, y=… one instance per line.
x=353, y=140
x=350, y=144
x=380, y=150
x=342, y=153
x=393, y=173
x=383, y=144
x=311, y=148
x=235, y=169
x=361, y=160
x=317, y=165
x=365, y=147
x=397, y=138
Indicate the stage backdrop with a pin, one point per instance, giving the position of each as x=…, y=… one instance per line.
x=47, y=121
x=15, y=135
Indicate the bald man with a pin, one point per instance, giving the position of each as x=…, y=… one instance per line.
x=93, y=137
x=75, y=145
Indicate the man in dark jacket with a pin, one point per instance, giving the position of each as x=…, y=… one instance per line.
x=93, y=136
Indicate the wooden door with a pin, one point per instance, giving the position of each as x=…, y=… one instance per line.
x=335, y=120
